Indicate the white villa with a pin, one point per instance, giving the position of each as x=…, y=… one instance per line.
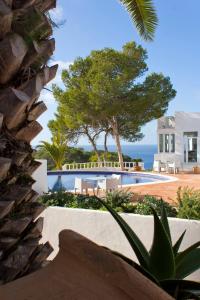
x=178, y=142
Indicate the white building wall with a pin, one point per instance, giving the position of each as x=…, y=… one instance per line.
x=183, y=122
x=186, y=122
x=101, y=228
x=40, y=176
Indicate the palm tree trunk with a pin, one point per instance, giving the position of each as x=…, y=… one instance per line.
x=118, y=143
x=25, y=48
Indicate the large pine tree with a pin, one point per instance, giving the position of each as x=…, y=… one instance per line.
x=25, y=48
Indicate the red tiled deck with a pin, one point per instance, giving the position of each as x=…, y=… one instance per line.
x=168, y=190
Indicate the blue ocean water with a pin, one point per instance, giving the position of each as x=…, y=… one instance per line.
x=146, y=152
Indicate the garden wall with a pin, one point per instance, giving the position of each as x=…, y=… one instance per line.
x=101, y=228
x=40, y=177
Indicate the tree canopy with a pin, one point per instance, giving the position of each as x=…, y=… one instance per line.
x=107, y=91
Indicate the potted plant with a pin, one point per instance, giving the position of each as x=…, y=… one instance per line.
x=136, y=165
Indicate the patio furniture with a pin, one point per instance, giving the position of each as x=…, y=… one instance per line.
x=196, y=170
x=159, y=166
x=172, y=167
x=118, y=177
x=109, y=184
x=81, y=185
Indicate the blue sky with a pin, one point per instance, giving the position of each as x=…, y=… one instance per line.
x=94, y=24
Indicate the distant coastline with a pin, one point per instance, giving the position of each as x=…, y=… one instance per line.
x=146, y=152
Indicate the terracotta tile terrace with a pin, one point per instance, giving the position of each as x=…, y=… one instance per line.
x=168, y=191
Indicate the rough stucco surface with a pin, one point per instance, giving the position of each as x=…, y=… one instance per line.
x=102, y=229
x=82, y=270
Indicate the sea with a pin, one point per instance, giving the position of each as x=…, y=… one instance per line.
x=146, y=152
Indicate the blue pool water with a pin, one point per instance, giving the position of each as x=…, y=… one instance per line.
x=65, y=180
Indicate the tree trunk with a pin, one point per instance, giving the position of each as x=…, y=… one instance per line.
x=105, y=146
x=25, y=48
x=118, y=143
x=92, y=141
x=94, y=148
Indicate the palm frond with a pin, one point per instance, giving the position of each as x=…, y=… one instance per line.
x=143, y=15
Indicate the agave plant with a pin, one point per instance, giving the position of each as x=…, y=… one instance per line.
x=164, y=263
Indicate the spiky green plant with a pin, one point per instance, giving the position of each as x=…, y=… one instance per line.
x=164, y=263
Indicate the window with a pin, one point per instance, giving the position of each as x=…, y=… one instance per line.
x=172, y=143
x=190, y=147
x=166, y=142
x=161, y=143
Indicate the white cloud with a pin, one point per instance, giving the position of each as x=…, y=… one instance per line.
x=62, y=65
x=48, y=98
x=46, y=95
x=57, y=14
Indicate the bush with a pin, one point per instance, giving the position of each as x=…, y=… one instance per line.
x=144, y=207
x=121, y=201
x=65, y=199
x=60, y=198
x=189, y=203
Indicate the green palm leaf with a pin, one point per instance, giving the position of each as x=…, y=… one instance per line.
x=56, y=151
x=144, y=16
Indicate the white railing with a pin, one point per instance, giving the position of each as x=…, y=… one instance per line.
x=100, y=165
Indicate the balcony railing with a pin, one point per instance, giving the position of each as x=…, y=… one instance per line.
x=100, y=165
x=166, y=122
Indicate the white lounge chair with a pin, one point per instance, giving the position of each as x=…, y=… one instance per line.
x=172, y=167
x=159, y=166
x=109, y=184
x=81, y=185
x=118, y=177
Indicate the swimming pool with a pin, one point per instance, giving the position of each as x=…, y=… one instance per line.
x=65, y=179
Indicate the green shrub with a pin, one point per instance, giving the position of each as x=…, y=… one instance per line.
x=65, y=199
x=144, y=207
x=60, y=198
x=120, y=200
x=189, y=203
x=87, y=202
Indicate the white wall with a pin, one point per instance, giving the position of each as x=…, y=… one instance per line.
x=184, y=122
x=40, y=176
x=101, y=228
